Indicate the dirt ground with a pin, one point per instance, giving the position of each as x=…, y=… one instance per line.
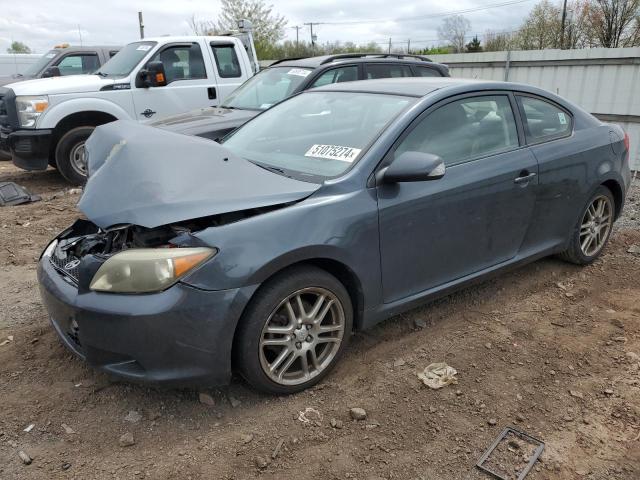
x=552, y=349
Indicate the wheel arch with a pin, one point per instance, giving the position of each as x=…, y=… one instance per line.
x=92, y=118
x=618, y=196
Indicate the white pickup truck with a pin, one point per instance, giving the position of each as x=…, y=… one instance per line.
x=46, y=121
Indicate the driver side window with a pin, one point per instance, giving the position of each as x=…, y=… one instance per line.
x=465, y=129
x=181, y=62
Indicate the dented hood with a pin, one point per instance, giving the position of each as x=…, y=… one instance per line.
x=145, y=176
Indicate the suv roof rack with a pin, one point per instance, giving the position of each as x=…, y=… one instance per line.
x=287, y=60
x=341, y=56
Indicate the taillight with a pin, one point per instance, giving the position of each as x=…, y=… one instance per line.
x=627, y=144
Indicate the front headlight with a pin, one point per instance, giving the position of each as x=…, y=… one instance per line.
x=30, y=108
x=143, y=270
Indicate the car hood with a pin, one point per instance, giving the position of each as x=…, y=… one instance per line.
x=7, y=79
x=145, y=176
x=58, y=85
x=206, y=120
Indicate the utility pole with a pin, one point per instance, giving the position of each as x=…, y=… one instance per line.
x=564, y=18
x=389, y=45
x=409, y=47
x=313, y=37
x=141, y=24
x=297, y=27
x=80, y=34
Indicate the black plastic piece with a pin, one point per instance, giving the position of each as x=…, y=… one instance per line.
x=13, y=194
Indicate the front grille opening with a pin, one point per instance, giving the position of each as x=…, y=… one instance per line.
x=65, y=264
x=73, y=333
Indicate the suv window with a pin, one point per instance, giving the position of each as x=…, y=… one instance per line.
x=348, y=73
x=543, y=120
x=77, y=64
x=426, y=71
x=181, y=62
x=386, y=70
x=465, y=129
x=226, y=60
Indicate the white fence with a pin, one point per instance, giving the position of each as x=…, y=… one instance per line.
x=11, y=64
x=603, y=81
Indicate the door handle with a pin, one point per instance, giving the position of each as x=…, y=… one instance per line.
x=524, y=177
x=211, y=91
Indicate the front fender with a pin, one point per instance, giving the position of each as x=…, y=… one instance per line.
x=57, y=112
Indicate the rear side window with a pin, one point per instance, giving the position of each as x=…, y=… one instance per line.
x=544, y=120
x=78, y=64
x=386, y=70
x=465, y=129
x=426, y=72
x=226, y=60
x=348, y=73
x=182, y=62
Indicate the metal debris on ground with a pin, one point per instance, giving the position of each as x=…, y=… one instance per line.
x=514, y=446
x=7, y=341
x=438, y=375
x=13, y=194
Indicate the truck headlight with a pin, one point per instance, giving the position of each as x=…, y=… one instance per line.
x=30, y=108
x=143, y=270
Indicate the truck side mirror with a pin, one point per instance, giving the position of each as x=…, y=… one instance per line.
x=52, y=71
x=151, y=76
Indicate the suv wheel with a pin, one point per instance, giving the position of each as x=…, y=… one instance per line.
x=294, y=331
x=70, y=158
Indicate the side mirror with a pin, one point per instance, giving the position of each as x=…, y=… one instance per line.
x=151, y=76
x=413, y=167
x=52, y=71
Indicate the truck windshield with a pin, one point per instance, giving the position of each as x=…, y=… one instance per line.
x=42, y=62
x=123, y=62
x=325, y=132
x=267, y=88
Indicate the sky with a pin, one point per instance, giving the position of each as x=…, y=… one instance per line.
x=41, y=24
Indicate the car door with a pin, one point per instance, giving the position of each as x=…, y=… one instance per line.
x=188, y=83
x=473, y=218
x=228, y=68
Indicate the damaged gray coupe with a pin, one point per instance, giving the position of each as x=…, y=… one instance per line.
x=325, y=214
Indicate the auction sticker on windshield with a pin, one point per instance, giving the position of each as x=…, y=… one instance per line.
x=300, y=72
x=333, y=152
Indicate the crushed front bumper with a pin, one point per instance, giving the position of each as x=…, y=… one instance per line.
x=29, y=149
x=181, y=336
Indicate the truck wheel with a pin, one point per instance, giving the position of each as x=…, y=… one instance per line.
x=70, y=155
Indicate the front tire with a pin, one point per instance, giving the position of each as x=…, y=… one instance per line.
x=591, y=234
x=70, y=158
x=294, y=330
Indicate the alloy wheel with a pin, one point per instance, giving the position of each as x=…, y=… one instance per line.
x=302, y=336
x=596, y=225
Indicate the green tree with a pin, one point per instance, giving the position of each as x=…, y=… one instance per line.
x=474, y=45
x=268, y=27
x=18, y=47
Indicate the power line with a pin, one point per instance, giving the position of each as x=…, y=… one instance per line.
x=422, y=17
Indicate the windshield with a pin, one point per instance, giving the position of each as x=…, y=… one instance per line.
x=123, y=62
x=316, y=134
x=267, y=88
x=42, y=62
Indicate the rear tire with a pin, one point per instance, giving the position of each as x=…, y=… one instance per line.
x=282, y=349
x=591, y=233
x=70, y=155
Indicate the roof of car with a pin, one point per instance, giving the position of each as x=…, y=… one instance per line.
x=315, y=62
x=408, y=86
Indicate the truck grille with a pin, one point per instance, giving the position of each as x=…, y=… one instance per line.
x=65, y=264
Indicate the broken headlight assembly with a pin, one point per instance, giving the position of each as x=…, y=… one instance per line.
x=145, y=270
